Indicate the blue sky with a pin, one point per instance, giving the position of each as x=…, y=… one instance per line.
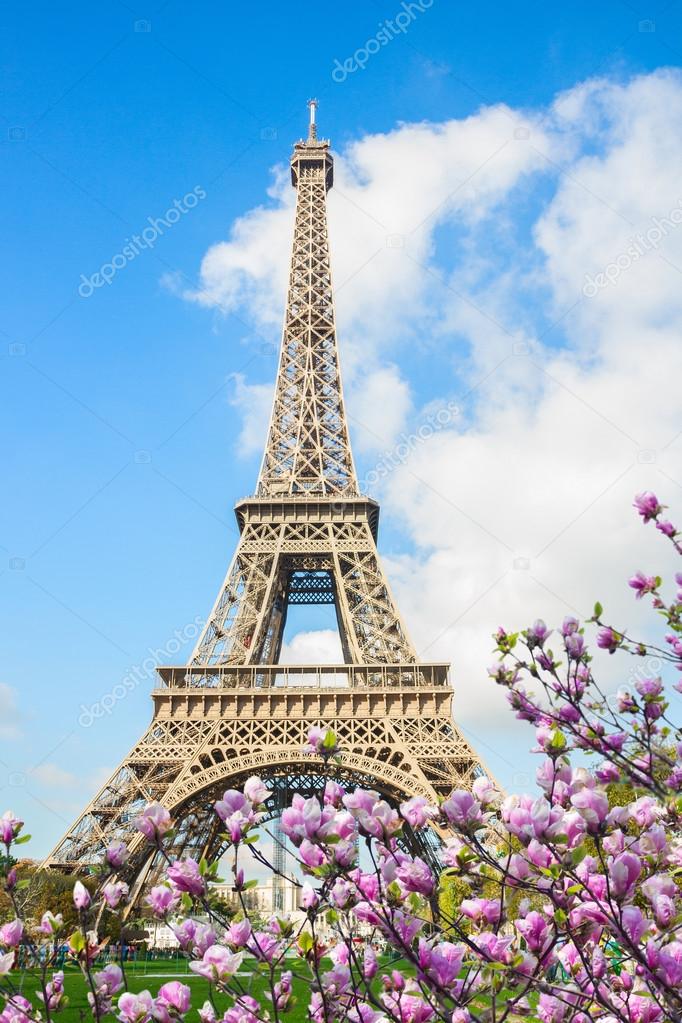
x=123, y=418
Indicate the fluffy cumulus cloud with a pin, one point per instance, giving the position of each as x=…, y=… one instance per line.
x=254, y=402
x=318, y=646
x=528, y=267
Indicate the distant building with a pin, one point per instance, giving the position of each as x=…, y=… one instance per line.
x=160, y=935
x=274, y=895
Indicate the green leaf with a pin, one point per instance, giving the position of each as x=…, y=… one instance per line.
x=558, y=741
x=250, y=884
x=578, y=854
x=305, y=941
x=22, y=839
x=329, y=741
x=77, y=941
x=598, y=610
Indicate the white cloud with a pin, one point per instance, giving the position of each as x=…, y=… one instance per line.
x=466, y=245
x=319, y=646
x=560, y=439
x=9, y=712
x=378, y=408
x=254, y=402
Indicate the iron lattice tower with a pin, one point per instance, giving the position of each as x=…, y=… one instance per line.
x=307, y=536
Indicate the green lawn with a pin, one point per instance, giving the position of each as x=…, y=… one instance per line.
x=151, y=975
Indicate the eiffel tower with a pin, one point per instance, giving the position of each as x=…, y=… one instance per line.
x=307, y=536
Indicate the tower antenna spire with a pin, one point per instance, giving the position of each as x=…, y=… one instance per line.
x=312, y=126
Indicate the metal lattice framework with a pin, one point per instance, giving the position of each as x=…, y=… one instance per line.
x=307, y=537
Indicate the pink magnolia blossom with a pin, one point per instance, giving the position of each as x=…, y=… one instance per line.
x=207, y=1013
x=634, y=923
x=204, y=937
x=49, y=923
x=218, y=964
x=418, y=811
x=135, y=1008
x=642, y=584
x=17, y=1010
x=536, y=931
x=54, y=992
x=81, y=896
x=463, y=809
x=481, y=910
x=6, y=963
x=666, y=527
x=185, y=933
x=333, y=793
x=441, y=962
x=370, y=964
x=263, y=946
x=665, y=910
x=375, y=818
x=407, y=1008
x=11, y=933
x=302, y=819
x=162, y=899
x=116, y=854
x=233, y=802
x=10, y=826
x=114, y=892
x=321, y=742
x=245, y=1010
x=239, y=933
x=648, y=506
x=185, y=876
x=309, y=897
x=484, y=791
x=624, y=872
x=256, y=791
x=154, y=822
x=109, y=980
x=282, y=991
x=415, y=876
x=311, y=855
x=644, y=811
x=608, y=639
x=172, y=1002
x=593, y=805
x=551, y=1009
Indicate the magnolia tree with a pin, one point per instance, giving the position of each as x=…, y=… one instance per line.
x=573, y=907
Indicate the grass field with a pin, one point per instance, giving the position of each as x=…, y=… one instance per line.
x=151, y=975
